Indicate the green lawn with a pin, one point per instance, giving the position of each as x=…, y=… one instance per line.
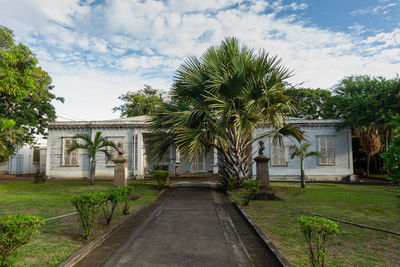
x=58, y=238
x=376, y=206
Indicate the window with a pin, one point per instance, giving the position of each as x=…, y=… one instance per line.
x=36, y=155
x=120, y=142
x=70, y=160
x=326, y=148
x=278, y=157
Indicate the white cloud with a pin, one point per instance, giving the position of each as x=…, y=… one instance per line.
x=379, y=9
x=96, y=53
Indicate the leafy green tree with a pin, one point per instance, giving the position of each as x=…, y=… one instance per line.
x=392, y=156
x=302, y=153
x=10, y=139
x=311, y=103
x=218, y=101
x=99, y=144
x=144, y=102
x=367, y=104
x=25, y=88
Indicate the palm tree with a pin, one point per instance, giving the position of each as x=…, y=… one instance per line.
x=217, y=102
x=302, y=153
x=99, y=144
x=370, y=141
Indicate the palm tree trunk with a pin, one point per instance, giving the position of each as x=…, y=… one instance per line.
x=235, y=163
x=368, y=161
x=302, y=178
x=92, y=172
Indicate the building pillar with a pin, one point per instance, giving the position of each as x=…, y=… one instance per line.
x=215, y=164
x=178, y=162
x=253, y=165
x=140, y=155
x=134, y=164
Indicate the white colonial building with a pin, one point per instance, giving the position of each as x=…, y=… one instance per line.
x=132, y=135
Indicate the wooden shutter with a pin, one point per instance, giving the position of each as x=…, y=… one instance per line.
x=66, y=157
x=327, y=149
x=278, y=157
x=71, y=159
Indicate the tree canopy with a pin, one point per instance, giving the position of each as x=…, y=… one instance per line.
x=144, y=102
x=10, y=139
x=311, y=103
x=218, y=100
x=25, y=88
x=367, y=104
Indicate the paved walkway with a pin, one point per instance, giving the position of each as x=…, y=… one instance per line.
x=190, y=228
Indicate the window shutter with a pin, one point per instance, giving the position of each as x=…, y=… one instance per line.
x=330, y=150
x=282, y=159
x=67, y=144
x=327, y=150
x=74, y=158
x=278, y=156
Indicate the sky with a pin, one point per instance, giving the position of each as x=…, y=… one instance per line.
x=96, y=51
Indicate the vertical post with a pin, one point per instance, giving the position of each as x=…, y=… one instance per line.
x=120, y=171
x=254, y=152
x=215, y=164
x=265, y=191
x=178, y=163
x=134, y=154
x=140, y=151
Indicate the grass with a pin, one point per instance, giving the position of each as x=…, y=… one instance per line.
x=58, y=238
x=376, y=206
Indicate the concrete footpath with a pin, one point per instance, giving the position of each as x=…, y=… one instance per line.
x=191, y=226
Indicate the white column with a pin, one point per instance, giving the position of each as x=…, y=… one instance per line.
x=178, y=156
x=140, y=153
x=254, y=154
x=134, y=167
x=177, y=162
x=215, y=164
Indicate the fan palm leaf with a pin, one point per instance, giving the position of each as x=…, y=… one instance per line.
x=98, y=144
x=218, y=101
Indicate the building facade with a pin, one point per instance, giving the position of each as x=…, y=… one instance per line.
x=131, y=135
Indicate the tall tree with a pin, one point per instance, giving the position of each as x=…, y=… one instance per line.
x=144, y=102
x=10, y=139
x=311, y=103
x=99, y=144
x=218, y=101
x=392, y=156
x=367, y=104
x=25, y=88
x=302, y=153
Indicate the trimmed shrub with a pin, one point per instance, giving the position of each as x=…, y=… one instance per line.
x=126, y=191
x=231, y=184
x=15, y=231
x=162, y=178
x=317, y=231
x=88, y=205
x=251, y=187
x=114, y=196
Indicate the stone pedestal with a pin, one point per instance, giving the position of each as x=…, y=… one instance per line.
x=266, y=191
x=120, y=171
